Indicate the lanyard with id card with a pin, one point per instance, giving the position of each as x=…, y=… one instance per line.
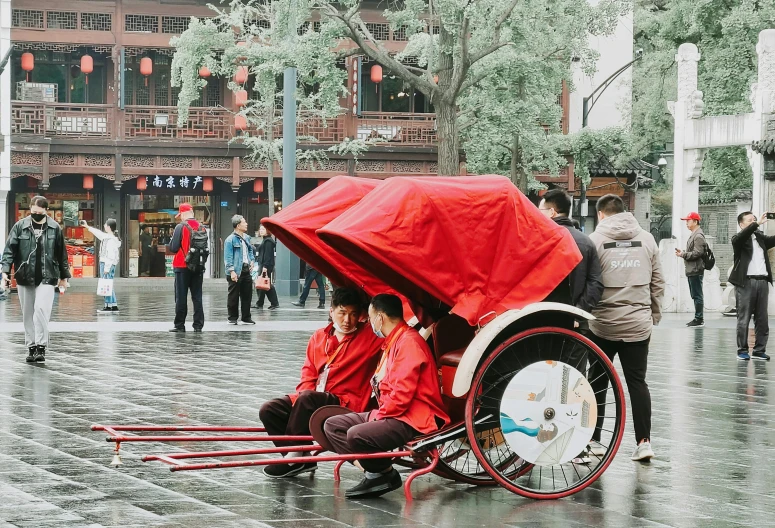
x=323, y=376
x=379, y=374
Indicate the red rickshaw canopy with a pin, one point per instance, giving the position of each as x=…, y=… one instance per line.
x=475, y=245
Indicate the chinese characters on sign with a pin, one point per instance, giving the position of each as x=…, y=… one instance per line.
x=175, y=182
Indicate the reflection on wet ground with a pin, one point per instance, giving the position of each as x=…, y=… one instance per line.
x=712, y=432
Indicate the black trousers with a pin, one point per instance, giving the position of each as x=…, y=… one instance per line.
x=752, y=299
x=354, y=433
x=186, y=281
x=270, y=294
x=313, y=275
x=695, y=290
x=281, y=417
x=634, y=359
x=240, y=292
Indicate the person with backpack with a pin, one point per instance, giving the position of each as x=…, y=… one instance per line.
x=190, y=244
x=696, y=249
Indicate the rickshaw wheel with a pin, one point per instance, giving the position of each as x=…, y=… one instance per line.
x=542, y=475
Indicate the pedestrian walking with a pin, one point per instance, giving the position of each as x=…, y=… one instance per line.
x=190, y=245
x=751, y=275
x=694, y=264
x=312, y=275
x=240, y=260
x=627, y=311
x=265, y=259
x=36, y=250
x=109, y=255
x=146, y=242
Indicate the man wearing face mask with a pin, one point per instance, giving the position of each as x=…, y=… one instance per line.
x=341, y=358
x=36, y=250
x=406, y=385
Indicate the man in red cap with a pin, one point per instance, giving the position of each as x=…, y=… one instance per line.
x=695, y=266
x=185, y=278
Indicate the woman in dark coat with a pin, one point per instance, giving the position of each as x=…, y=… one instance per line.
x=265, y=260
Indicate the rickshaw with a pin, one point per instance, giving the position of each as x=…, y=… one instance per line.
x=473, y=260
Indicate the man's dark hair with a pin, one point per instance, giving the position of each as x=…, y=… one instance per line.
x=742, y=216
x=236, y=220
x=389, y=305
x=559, y=200
x=347, y=297
x=39, y=201
x=610, y=204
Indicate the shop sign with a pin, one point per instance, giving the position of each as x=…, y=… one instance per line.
x=192, y=183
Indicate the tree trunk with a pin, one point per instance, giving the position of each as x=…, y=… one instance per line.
x=517, y=172
x=448, y=139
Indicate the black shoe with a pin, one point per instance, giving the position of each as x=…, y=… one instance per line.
x=232, y=321
x=106, y=310
x=114, y=309
x=198, y=330
x=178, y=329
x=695, y=322
x=321, y=306
x=375, y=487
x=259, y=306
x=31, y=355
x=274, y=307
x=289, y=470
x=248, y=321
x=299, y=304
x=40, y=354
x=761, y=356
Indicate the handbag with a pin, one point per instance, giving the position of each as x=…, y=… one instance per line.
x=105, y=287
x=263, y=282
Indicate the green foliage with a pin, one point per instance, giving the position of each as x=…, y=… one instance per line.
x=726, y=33
x=589, y=145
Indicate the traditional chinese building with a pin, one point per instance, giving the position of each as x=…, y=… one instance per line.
x=94, y=127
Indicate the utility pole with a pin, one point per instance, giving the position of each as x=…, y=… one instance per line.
x=287, y=262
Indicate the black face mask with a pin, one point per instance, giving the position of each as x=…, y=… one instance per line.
x=38, y=218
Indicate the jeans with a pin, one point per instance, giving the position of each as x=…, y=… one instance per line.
x=634, y=359
x=695, y=290
x=752, y=299
x=185, y=281
x=313, y=275
x=240, y=292
x=110, y=300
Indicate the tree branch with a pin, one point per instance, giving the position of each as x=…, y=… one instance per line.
x=461, y=66
x=496, y=35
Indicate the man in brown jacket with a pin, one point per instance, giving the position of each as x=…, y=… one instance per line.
x=695, y=266
x=630, y=306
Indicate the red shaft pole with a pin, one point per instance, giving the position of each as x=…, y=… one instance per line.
x=257, y=438
x=297, y=460
x=211, y=428
x=237, y=452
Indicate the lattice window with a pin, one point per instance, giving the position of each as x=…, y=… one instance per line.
x=96, y=21
x=303, y=28
x=161, y=91
x=141, y=23
x=27, y=18
x=435, y=30
x=262, y=23
x=399, y=34
x=379, y=31
x=142, y=94
x=175, y=94
x=174, y=24
x=316, y=27
x=62, y=20
x=128, y=88
x=722, y=228
x=58, y=56
x=213, y=92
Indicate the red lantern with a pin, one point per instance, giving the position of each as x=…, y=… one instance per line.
x=142, y=183
x=207, y=184
x=28, y=63
x=88, y=184
x=376, y=74
x=204, y=72
x=240, y=123
x=87, y=66
x=258, y=185
x=146, y=68
x=241, y=97
x=241, y=75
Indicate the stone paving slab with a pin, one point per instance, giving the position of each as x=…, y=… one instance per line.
x=712, y=430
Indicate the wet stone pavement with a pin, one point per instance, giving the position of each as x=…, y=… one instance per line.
x=713, y=431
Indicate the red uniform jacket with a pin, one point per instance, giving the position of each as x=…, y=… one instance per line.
x=410, y=390
x=350, y=373
x=181, y=242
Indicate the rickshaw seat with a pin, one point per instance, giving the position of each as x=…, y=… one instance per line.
x=451, y=334
x=452, y=359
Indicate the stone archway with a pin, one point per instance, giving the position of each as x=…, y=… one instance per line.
x=693, y=136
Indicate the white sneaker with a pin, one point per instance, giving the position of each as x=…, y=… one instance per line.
x=643, y=452
x=597, y=450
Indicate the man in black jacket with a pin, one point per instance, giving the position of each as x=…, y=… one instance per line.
x=36, y=250
x=752, y=276
x=586, y=282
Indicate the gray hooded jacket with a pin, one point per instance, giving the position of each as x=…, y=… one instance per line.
x=632, y=277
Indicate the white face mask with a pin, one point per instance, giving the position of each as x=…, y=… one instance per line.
x=339, y=329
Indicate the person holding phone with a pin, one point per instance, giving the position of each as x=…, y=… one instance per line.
x=751, y=275
x=110, y=245
x=696, y=247
x=36, y=250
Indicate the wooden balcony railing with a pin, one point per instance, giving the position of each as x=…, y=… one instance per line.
x=61, y=119
x=213, y=124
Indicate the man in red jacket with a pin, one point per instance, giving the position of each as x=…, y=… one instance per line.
x=341, y=358
x=185, y=279
x=406, y=385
